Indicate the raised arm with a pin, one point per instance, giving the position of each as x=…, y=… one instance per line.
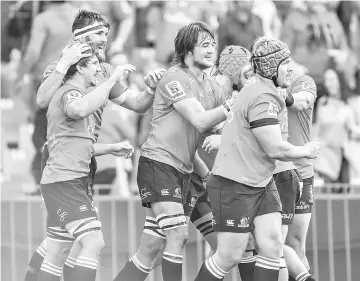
x=54, y=74
x=192, y=110
x=78, y=107
x=140, y=102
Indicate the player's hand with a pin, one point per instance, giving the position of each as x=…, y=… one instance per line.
x=212, y=143
x=122, y=149
x=313, y=149
x=153, y=77
x=73, y=53
x=121, y=71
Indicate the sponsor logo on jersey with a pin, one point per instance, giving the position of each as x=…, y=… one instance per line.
x=175, y=90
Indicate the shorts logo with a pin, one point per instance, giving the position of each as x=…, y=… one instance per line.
x=83, y=208
x=175, y=90
x=244, y=222
x=192, y=202
x=273, y=109
x=93, y=208
x=230, y=223
x=311, y=194
x=61, y=215
x=165, y=192
x=177, y=193
x=91, y=130
x=213, y=222
x=287, y=216
x=144, y=194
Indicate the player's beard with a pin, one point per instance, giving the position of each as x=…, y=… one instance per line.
x=100, y=54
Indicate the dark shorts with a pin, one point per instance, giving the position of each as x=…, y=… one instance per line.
x=235, y=205
x=289, y=187
x=197, y=193
x=160, y=182
x=67, y=201
x=304, y=205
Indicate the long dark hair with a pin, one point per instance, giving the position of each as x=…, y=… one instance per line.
x=187, y=38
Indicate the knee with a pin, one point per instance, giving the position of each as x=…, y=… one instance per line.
x=57, y=255
x=178, y=236
x=93, y=242
x=232, y=256
x=272, y=246
x=154, y=246
x=294, y=242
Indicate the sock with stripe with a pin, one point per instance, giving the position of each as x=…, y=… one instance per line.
x=172, y=267
x=266, y=269
x=210, y=271
x=84, y=269
x=247, y=265
x=133, y=270
x=49, y=272
x=68, y=268
x=35, y=264
x=283, y=270
x=303, y=276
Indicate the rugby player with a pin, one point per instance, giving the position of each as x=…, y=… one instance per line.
x=184, y=107
x=301, y=98
x=242, y=192
x=92, y=28
x=64, y=182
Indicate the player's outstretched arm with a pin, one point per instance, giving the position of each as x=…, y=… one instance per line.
x=140, y=102
x=54, y=74
x=192, y=110
x=271, y=141
x=122, y=149
x=81, y=107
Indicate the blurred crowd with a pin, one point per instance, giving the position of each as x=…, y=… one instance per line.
x=323, y=36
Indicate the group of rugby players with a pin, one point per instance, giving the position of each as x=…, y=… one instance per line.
x=229, y=151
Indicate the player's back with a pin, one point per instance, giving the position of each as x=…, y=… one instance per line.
x=241, y=157
x=70, y=141
x=172, y=139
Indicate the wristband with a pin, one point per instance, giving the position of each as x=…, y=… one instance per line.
x=289, y=101
x=227, y=107
x=150, y=91
x=62, y=66
x=206, y=177
x=226, y=112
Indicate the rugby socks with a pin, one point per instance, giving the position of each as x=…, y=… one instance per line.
x=35, y=264
x=172, y=267
x=210, y=271
x=133, y=270
x=303, y=276
x=283, y=271
x=49, y=272
x=266, y=269
x=247, y=265
x=84, y=269
x=68, y=268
